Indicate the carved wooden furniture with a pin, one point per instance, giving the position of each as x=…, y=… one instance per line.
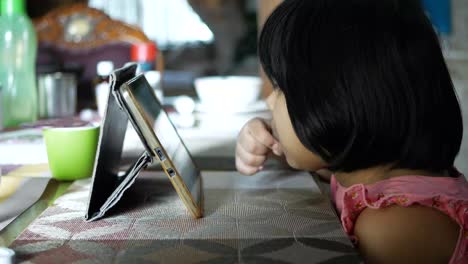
x=81, y=35
x=81, y=27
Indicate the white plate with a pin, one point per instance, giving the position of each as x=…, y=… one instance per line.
x=258, y=106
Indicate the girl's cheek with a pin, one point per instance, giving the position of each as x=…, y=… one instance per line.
x=274, y=131
x=270, y=100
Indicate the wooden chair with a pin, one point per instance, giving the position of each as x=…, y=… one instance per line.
x=81, y=35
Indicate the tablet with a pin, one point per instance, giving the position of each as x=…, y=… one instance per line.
x=162, y=141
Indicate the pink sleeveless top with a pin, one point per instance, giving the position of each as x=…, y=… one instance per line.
x=448, y=195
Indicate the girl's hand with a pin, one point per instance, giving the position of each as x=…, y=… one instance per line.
x=254, y=143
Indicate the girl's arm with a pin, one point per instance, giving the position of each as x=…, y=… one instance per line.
x=413, y=234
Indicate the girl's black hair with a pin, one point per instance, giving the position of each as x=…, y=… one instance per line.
x=365, y=82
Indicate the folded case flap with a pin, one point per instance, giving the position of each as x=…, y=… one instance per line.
x=107, y=163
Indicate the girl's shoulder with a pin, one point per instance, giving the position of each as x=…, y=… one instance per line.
x=396, y=233
x=449, y=195
x=404, y=212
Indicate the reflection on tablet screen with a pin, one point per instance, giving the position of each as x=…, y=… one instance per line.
x=166, y=133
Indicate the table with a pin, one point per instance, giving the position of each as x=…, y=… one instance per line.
x=278, y=216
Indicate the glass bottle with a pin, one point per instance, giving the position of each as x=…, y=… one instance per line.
x=18, y=48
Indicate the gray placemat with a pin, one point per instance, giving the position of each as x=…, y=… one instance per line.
x=273, y=217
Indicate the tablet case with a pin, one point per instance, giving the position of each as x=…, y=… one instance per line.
x=109, y=184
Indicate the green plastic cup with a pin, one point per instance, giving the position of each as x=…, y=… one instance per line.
x=71, y=151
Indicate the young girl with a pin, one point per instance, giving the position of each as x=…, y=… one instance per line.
x=362, y=89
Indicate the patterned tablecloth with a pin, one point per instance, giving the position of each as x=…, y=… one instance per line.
x=274, y=217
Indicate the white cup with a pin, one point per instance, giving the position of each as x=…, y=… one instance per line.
x=7, y=256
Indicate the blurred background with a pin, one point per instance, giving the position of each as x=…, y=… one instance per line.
x=218, y=37
x=192, y=38
x=196, y=37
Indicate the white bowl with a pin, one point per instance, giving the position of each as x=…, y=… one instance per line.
x=229, y=91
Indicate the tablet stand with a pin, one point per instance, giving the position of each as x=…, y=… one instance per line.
x=108, y=183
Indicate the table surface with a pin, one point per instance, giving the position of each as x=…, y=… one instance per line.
x=274, y=217
x=278, y=216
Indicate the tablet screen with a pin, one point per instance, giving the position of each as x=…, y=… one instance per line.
x=166, y=132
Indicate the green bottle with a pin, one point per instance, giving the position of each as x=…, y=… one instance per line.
x=18, y=48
